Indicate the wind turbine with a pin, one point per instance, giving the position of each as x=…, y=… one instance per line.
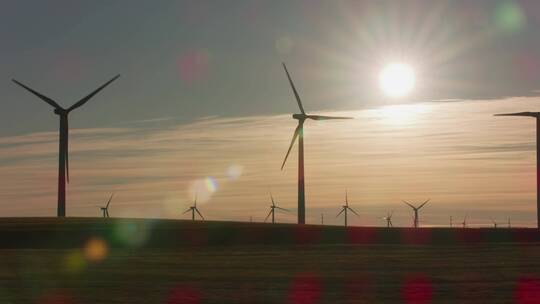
x=415, y=219
x=535, y=115
x=388, y=219
x=105, y=209
x=299, y=133
x=63, y=159
x=451, y=222
x=494, y=223
x=194, y=209
x=464, y=223
x=273, y=208
x=346, y=208
x=509, y=224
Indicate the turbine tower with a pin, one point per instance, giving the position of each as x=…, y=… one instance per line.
x=388, y=219
x=535, y=115
x=346, y=208
x=194, y=209
x=299, y=133
x=464, y=223
x=105, y=209
x=415, y=219
x=63, y=159
x=494, y=223
x=273, y=208
x=509, y=224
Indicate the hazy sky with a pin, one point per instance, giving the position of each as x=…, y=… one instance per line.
x=203, y=103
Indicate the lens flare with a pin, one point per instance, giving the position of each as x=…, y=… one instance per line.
x=96, y=250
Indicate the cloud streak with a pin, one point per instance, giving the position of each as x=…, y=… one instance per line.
x=456, y=153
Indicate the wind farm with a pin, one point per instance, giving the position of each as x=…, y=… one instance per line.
x=219, y=168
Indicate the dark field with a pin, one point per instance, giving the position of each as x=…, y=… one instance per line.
x=144, y=261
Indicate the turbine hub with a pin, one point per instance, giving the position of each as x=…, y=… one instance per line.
x=299, y=116
x=58, y=111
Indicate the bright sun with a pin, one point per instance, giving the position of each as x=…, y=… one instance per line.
x=397, y=79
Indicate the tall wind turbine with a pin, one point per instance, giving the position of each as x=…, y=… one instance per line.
x=509, y=224
x=346, y=208
x=63, y=159
x=105, y=209
x=273, y=208
x=299, y=133
x=388, y=219
x=415, y=219
x=194, y=209
x=535, y=115
x=464, y=223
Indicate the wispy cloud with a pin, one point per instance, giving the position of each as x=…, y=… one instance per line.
x=456, y=153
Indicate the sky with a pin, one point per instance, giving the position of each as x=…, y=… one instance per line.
x=203, y=107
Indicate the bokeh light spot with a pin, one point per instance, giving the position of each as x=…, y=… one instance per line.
x=417, y=289
x=509, y=17
x=194, y=66
x=234, y=172
x=132, y=233
x=96, y=250
x=74, y=261
x=304, y=289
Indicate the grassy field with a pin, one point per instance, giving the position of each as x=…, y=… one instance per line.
x=46, y=260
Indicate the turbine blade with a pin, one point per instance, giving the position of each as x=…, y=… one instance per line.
x=294, y=90
x=266, y=218
x=354, y=211
x=423, y=204
x=39, y=95
x=272, y=199
x=188, y=210
x=321, y=117
x=340, y=212
x=286, y=210
x=85, y=99
x=409, y=204
x=197, y=210
x=296, y=132
x=528, y=114
x=110, y=198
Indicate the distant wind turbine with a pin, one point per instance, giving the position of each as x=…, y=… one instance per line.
x=299, y=133
x=494, y=223
x=535, y=115
x=415, y=209
x=273, y=208
x=509, y=224
x=105, y=209
x=451, y=222
x=464, y=223
x=346, y=208
x=63, y=159
x=388, y=219
x=194, y=209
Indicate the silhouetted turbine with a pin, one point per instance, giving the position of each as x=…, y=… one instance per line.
x=464, y=223
x=194, y=209
x=345, y=208
x=535, y=115
x=63, y=158
x=388, y=219
x=494, y=223
x=299, y=133
x=416, y=219
x=273, y=208
x=105, y=209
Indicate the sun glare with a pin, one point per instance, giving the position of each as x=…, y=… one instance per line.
x=397, y=79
